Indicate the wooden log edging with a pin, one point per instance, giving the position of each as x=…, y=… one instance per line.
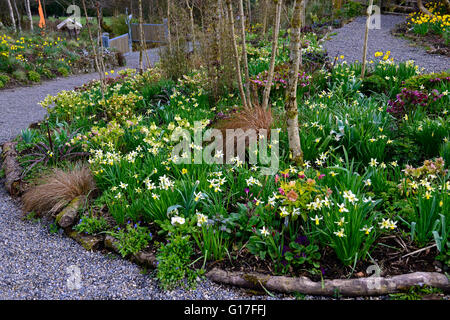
x=12, y=169
x=347, y=287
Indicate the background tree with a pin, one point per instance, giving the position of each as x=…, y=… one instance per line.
x=236, y=53
x=28, y=10
x=291, y=107
x=11, y=15
x=268, y=87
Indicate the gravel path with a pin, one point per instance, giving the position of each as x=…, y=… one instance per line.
x=350, y=38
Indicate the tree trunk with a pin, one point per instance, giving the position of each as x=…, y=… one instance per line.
x=276, y=30
x=236, y=53
x=295, y=59
x=30, y=17
x=11, y=14
x=422, y=8
x=366, y=38
x=266, y=9
x=244, y=54
x=18, y=16
x=141, y=39
x=169, y=39
x=191, y=17
x=100, y=71
x=249, y=13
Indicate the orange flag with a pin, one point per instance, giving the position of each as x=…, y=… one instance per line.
x=41, y=16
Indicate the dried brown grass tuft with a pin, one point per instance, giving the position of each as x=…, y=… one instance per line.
x=57, y=189
x=255, y=118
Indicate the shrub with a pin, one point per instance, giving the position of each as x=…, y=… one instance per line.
x=20, y=76
x=4, y=79
x=132, y=238
x=34, y=76
x=119, y=25
x=174, y=259
x=444, y=152
x=428, y=81
x=63, y=71
x=91, y=225
x=373, y=83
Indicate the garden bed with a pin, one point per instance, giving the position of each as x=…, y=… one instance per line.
x=371, y=198
x=430, y=32
x=32, y=58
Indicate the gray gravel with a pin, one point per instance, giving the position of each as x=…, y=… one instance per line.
x=350, y=38
x=34, y=262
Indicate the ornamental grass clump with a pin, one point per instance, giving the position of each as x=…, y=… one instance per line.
x=57, y=189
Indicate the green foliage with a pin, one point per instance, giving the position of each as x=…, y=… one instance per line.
x=415, y=293
x=63, y=71
x=118, y=25
x=132, y=238
x=33, y=76
x=444, y=152
x=91, y=225
x=373, y=83
x=428, y=81
x=20, y=76
x=174, y=263
x=4, y=79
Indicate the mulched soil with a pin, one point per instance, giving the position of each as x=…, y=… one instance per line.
x=434, y=43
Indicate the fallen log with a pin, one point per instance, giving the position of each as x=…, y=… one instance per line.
x=11, y=169
x=90, y=243
x=347, y=287
x=67, y=217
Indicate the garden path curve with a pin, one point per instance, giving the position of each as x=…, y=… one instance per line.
x=349, y=42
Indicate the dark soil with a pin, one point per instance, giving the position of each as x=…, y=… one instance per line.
x=434, y=43
x=387, y=255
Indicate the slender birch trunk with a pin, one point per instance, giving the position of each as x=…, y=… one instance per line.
x=101, y=50
x=11, y=14
x=249, y=13
x=244, y=54
x=276, y=30
x=19, y=24
x=101, y=72
x=219, y=17
x=169, y=39
x=191, y=16
x=366, y=38
x=141, y=39
x=266, y=9
x=236, y=53
x=30, y=17
x=291, y=96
